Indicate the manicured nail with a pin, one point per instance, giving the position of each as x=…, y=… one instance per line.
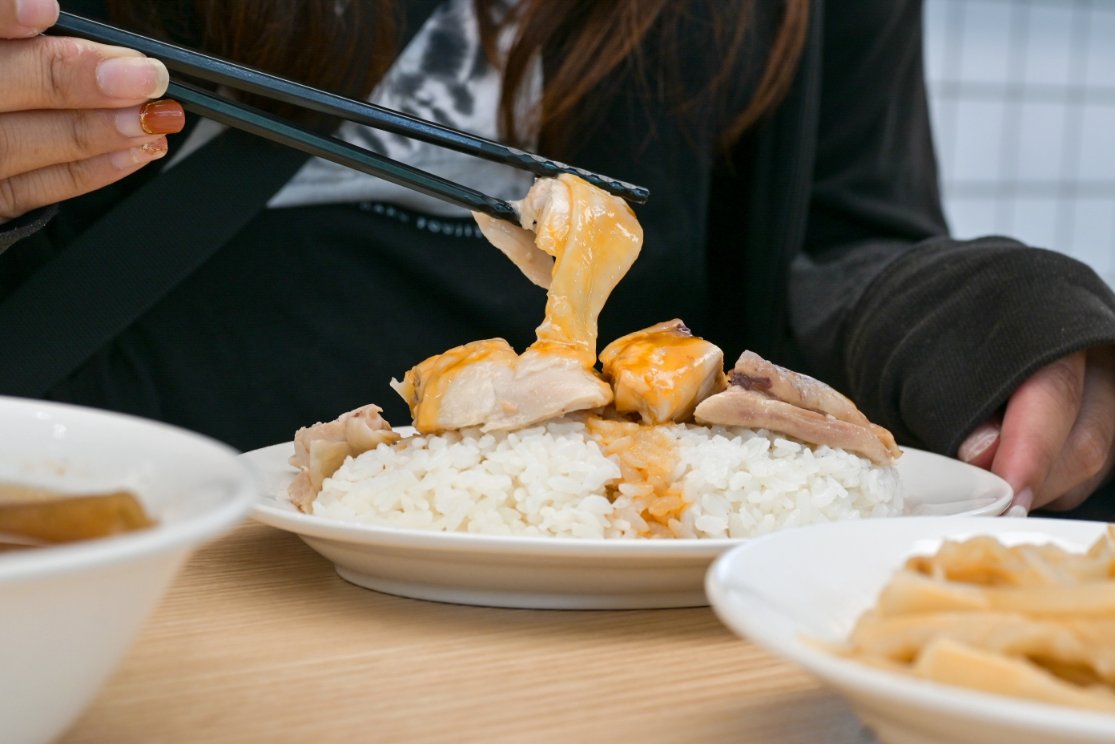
x=132, y=77
x=162, y=117
x=133, y=156
x=978, y=442
x=1017, y=511
x=36, y=14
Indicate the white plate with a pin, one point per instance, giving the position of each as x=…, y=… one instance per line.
x=771, y=591
x=562, y=573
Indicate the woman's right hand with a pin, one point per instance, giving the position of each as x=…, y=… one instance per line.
x=70, y=111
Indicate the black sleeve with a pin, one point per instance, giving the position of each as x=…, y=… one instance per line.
x=929, y=335
x=25, y=225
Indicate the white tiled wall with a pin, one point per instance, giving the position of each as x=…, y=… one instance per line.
x=1023, y=102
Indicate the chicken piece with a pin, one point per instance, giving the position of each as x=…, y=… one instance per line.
x=662, y=372
x=737, y=406
x=752, y=372
x=764, y=395
x=322, y=448
x=594, y=238
x=485, y=383
x=517, y=244
x=755, y=373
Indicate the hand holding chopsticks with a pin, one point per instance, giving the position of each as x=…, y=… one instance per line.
x=234, y=114
x=69, y=114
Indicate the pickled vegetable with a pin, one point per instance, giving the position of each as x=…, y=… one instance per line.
x=32, y=517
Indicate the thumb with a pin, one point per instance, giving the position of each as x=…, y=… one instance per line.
x=20, y=19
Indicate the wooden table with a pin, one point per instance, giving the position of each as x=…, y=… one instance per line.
x=258, y=640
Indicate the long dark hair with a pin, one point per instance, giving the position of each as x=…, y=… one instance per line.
x=348, y=46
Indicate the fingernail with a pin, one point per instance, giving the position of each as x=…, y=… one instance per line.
x=132, y=77
x=37, y=14
x=127, y=121
x=978, y=442
x=133, y=156
x=157, y=117
x=1016, y=511
x=1024, y=499
x=162, y=117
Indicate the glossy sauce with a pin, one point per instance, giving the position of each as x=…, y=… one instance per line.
x=593, y=246
x=647, y=459
x=424, y=385
x=660, y=373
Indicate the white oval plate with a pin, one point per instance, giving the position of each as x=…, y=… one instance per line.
x=770, y=591
x=562, y=573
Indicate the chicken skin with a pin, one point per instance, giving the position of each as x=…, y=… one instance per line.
x=762, y=395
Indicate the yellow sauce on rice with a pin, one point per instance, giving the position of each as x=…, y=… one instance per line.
x=648, y=459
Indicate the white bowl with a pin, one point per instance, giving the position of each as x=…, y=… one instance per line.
x=69, y=612
x=814, y=582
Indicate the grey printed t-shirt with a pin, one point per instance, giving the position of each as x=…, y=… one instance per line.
x=443, y=76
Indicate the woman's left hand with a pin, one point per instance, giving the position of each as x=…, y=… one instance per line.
x=1055, y=443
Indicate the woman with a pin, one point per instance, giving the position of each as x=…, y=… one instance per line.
x=794, y=211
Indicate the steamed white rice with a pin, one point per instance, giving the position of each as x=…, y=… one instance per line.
x=555, y=480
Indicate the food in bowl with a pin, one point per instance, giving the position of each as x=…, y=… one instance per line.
x=33, y=517
x=1027, y=621
x=658, y=441
x=71, y=611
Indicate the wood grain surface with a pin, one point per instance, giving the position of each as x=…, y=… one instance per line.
x=258, y=640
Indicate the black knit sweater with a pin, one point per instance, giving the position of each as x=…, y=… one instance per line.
x=818, y=242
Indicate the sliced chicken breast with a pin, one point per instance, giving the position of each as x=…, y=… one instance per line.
x=737, y=406
x=594, y=238
x=764, y=395
x=755, y=373
x=661, y=373
x=485, y=383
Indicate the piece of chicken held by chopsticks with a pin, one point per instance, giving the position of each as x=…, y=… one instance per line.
x=763, y=395
x=593, y=238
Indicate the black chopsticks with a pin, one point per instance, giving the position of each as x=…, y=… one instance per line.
x=271, y=127
x=234, y=114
